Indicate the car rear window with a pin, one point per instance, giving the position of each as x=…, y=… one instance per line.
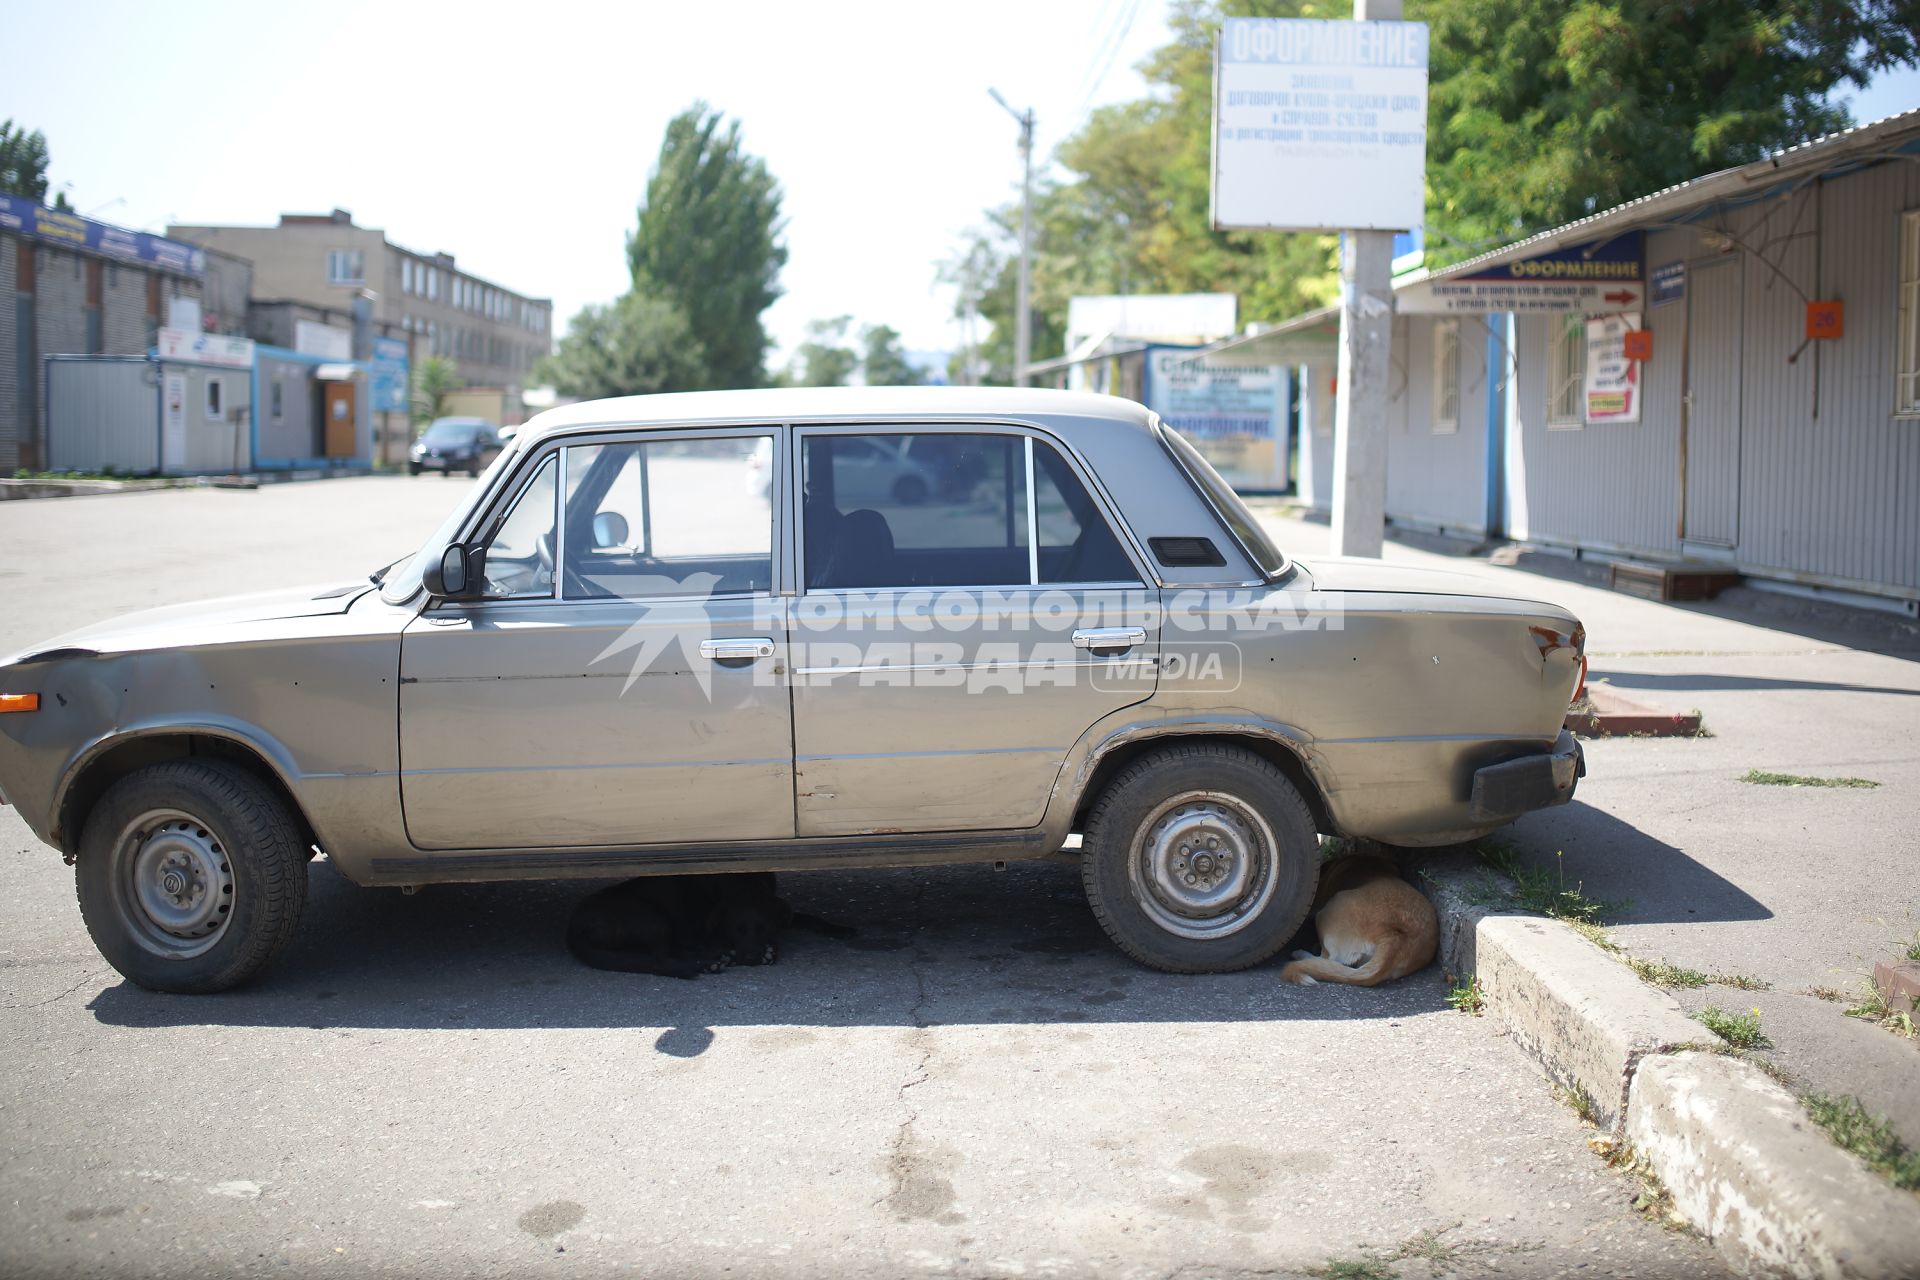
x=1226, y=504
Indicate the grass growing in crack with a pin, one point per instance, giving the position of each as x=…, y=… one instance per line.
x=1651, y=1196
x=1579, y=1101
x=1741, y=1030
x=1466, y=997
x=1868, y=1136
x=1430, y=1246
x=1353, y=1269
x=1762, y=778
x=1874, y=1007
x=1538, y=891
x=1833, y=995
x=1662, y=974
x=1912, y=952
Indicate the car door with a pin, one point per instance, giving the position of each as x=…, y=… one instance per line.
x=944, y=660
x=623, y=680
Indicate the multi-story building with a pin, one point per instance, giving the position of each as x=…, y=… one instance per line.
x=493, y=334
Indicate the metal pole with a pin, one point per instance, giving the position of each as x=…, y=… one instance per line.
x=1366, y=359
x=1023, y=314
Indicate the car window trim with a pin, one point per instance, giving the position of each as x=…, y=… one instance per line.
x=1102, y=501
x=557, y=445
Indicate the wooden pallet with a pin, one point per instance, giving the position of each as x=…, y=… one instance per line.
x=1669, y=582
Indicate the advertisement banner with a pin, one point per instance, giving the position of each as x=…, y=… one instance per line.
x=1594, y=278
x=1234, y=414
x=35, y=221
x=204, y=348
x=389, y=365
x=1319, y=125
x=1613, y=378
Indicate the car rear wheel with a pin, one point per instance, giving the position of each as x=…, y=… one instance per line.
x=191, y=876
x=413, y=468
x=1200, y=858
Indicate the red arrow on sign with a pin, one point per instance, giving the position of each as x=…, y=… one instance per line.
x=1622, y=296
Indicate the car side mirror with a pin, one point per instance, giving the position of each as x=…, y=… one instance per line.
x=450, y=579
x=609, y=530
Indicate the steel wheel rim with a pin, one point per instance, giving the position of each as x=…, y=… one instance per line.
x=1202, y=865
x=173, y=883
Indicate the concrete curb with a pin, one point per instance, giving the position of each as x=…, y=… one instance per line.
x=1741, y=1159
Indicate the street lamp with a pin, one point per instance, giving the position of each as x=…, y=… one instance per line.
x=1023, y=317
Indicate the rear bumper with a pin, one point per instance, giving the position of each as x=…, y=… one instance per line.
x=1505, y=791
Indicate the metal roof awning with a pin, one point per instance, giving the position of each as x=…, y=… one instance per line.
x=1306, y=339
x=336, y=372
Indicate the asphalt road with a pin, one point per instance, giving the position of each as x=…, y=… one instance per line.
x=975, y=1085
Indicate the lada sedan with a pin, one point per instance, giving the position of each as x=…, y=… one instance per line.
x=695, y=633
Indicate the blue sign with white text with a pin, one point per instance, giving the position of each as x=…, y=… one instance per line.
x=389, y=370
x=1669, y=283
x=24, y=217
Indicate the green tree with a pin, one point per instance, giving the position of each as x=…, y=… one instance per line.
x=23, y=165
x=635, y=346
x=1543, y=111
x=824, y=359
x=709, y=241
x=883, y=362
x=433, y=378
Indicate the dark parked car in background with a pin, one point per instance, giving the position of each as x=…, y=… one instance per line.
x=455, y=444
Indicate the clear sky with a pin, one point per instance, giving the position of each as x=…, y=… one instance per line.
x=518, y=137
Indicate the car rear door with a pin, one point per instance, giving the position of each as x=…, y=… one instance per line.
x=944, y=660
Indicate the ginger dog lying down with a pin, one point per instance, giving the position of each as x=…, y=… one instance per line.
x=1374, y=926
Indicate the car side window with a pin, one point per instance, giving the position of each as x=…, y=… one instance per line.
x=520, y=554
x=903, y=510
x=1076, y=543
x=669, y=518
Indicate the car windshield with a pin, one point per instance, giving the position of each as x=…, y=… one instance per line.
x=450, y=433
x=1226, y=504
x=401, y=582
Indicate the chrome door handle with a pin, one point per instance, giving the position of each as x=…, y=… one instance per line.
x=737, y=649
x=1098, y=638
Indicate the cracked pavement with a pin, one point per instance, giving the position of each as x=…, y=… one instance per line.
x=977, y=1084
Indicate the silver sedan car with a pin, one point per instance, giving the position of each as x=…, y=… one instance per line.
x=694, y=633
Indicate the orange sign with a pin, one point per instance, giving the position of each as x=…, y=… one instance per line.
x=1826, y=319
x=1637, y=344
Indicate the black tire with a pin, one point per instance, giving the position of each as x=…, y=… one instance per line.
x=233, y=841
x=413, y=468
x=1179, y=797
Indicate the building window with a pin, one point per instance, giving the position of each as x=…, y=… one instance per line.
x=216, y=400
x=278, y=400
x=1566, y=372
x=1907, y=389
x=1446, y=377
x=346, y=266
x=433, y=283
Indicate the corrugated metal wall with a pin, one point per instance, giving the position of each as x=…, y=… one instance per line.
x=102, y=415
x=215, y=444
x=1438, y=479
x=1613, y=486
x=291, y=433
x=1829, y=476
x=1817, y=479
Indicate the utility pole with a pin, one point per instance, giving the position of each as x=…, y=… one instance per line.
x=1366, y=358
x=1023, y=316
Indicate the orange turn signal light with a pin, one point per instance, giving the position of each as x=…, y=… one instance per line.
x=19, y=702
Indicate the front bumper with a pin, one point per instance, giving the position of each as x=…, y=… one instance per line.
x=435, y=463
x=1502, y=792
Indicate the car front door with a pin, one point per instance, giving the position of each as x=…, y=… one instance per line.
x=622, y=682
x=945, y=661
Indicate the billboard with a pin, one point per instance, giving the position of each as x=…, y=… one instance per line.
x=1604, y=276
x=204, y=348
x=1613, y=377
x=35, y=221
x=1319, y=125
x=1233, y=414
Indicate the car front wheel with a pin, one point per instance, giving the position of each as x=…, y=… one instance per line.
x=1200, y=858
x=191, y=876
